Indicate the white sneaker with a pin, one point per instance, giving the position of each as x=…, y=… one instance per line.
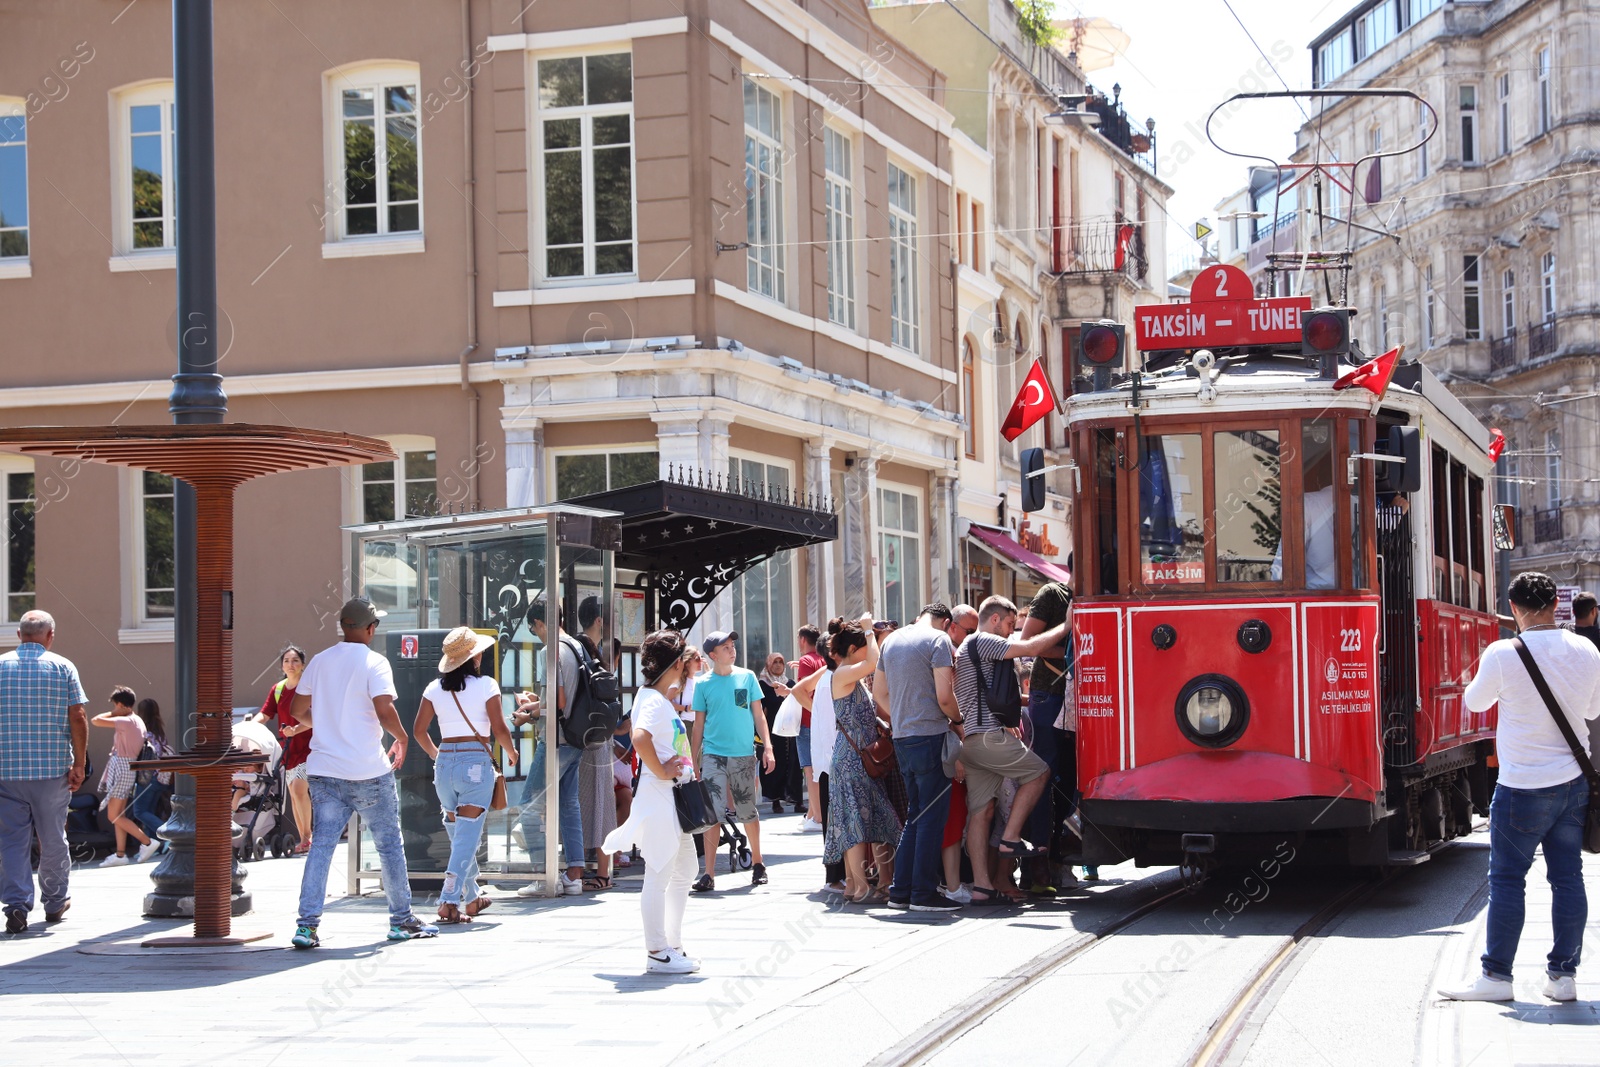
x=147, y=850
x=114, y=860
x=809, y=826
x=532, y=889
x=1562, y=988
x=694, y=964
x=572, y=887
x=960, y=894
x=835, y=888
x=1485, y=988
x=670, y=961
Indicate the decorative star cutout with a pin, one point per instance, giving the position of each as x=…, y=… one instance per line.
x=688, y=529
x=711, y=524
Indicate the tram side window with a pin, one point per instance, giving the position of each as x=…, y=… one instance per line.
x=1475, y=535
x=1249, y=503
x=1441, y=524
x=1106, y=510
x=1171, y=481
x=1317, y=503
x=1358, y=552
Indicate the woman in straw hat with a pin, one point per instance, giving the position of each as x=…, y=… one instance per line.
x=662, y=741
x=469, y=710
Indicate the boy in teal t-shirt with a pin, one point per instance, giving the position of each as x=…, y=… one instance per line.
x=728, y=718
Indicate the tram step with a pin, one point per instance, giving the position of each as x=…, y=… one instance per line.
x=1408, y=858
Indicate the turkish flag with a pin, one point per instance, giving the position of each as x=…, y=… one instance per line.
x=1034, y=401
x=1124, y=235
x=1497, y=445
x=1374, y=374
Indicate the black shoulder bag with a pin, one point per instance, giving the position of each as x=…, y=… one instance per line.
x=1591, y=825
x=1002, y=694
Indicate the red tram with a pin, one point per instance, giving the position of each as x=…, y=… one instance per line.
x=1282, y=588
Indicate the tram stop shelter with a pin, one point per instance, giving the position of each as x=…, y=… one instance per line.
x=623, y=563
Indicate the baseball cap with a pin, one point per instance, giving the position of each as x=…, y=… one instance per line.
x=716, y=640
x=358, y=611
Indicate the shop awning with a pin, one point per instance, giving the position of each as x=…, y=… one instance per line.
x=1013, y=552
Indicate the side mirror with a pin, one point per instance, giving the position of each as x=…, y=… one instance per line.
x=1405, y=443
x=1032, y=479
x=1505, y=527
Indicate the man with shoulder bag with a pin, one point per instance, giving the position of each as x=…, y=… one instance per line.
x=568, y=755
x=1546, y=682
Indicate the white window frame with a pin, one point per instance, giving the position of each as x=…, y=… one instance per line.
x=794, y=563
x=551, y=454
x=1502, y=89
x=880, y=530
x=19, y=266
x=1472, y=296
x=125, y=257
x=839, y=201
x=352, y=480
x=1508, y=302
x=1429, y=308
x=1471, y=149
x=1546, y=112
x=137, y=627
x=9, y=465
x=586, y=114
x=374, y=75
x=1552, y=466
x=766, y=262
x=1422, y=141
x=1547, y=286
x=905, y=284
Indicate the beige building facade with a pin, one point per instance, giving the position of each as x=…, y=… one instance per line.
x=1489, y=276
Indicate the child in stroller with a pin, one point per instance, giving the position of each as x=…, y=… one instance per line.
x=259, y=825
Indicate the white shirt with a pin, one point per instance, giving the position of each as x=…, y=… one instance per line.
x=655, y=714
x=824, y=731
x=474, y=697
x=1532, y=752
x=346, y=739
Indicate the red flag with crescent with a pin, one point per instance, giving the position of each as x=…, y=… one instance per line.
x=1124, y=235
x=1034, y=401
x=1373, y=375
x=1497, y=445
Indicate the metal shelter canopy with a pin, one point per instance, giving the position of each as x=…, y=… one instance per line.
x=692, y=535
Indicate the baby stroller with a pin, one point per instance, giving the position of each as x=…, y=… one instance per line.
x=732, y=838
x=259, y=825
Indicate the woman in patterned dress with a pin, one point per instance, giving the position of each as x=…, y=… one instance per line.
x=860, y=815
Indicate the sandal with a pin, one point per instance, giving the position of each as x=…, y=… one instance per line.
x=1017, y=849
x=450, y=915
x=988, y=898
x=594, y=883
x=705, y=884
x=476, y=908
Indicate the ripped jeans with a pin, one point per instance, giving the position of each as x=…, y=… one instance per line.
x=463, y=775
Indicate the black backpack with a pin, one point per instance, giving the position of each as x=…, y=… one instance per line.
x=1002, y=694
x=594, y=708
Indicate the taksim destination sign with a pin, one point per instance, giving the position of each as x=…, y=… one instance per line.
x=1223, y=312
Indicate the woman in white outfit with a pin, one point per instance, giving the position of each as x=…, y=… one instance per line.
x=662, y=742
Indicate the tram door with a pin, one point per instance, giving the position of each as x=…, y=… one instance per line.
x=1397, y=658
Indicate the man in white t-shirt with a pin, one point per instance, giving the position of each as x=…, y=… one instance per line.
x=350, y=690
x=1541, y=798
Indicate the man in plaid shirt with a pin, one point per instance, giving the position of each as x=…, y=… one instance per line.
x=44, y=736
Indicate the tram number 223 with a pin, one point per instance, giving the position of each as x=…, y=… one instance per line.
x=1350, y=640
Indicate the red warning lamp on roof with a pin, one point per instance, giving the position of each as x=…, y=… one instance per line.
x=1101, y=344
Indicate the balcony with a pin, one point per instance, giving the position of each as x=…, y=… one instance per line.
x=1547, y=525
x=1136, y=142
x=1542, y=339
x=1108, y=246
x=1503, y=351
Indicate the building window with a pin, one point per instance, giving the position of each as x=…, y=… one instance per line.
x=585, y=132
x=1542, y=66
x=13, y=181
x=1375, y=29
x=1469, y=124
x=17, y=561
x=976, y=262
x=900, y=553
x=1503, y=98
x=157, y=570
x=580, y=474
x=969, y=397
x=905, y=310
x=1508, y=302
x=1552, y=466
x=1547, y=286
x=763, y=596
x=405, y=487
x=1429, y=308
x=763, y=190
x=1471, y=307
x=1422, y=140
x=839, y=195
x=147, y=208
x=1334, y=57
x=380, y=154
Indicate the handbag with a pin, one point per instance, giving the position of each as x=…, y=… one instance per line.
x=951, y=753
x=697, y=808
x=1591, y=825
x=786, y=723
x=497, y=802
x=877, y=758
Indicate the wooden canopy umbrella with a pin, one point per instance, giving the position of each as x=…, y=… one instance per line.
x=215, y=459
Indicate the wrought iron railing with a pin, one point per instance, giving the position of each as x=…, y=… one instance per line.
x=1503, y=351
x=1547, y=525
x=1542, y=339
x=1107, y=246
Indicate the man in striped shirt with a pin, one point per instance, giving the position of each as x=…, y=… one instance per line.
x=44, y=735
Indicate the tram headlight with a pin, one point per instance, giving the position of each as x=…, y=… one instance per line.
x=1212, y=711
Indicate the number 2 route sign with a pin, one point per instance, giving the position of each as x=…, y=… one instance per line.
x=1223, y=312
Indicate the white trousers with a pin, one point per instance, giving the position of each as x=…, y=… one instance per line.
x=666, y=893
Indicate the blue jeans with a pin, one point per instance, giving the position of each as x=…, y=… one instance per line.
x=29, y=806
x=803, y=745
x=146, y=804
x=1048, y=742
x=917, y=874
x=570, y=814
x=1519, y=821
x=463, y=775
x=333, y=801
